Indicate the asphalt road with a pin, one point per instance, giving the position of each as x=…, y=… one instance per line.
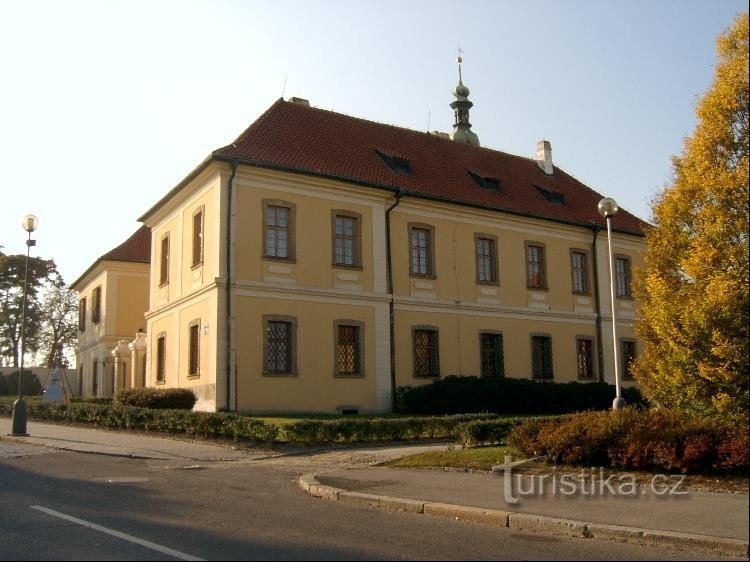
x=71, y=506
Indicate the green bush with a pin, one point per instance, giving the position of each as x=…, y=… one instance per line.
x=30, y=384
x=116, y=416
x=156, y=398
x=479, y=432
x=649, y=439
x=459, y=394
x=353, y=430
x=209, y=424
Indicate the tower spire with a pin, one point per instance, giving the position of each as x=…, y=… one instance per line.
x=461, y=105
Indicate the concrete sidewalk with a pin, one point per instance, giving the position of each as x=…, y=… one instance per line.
x=703, y=521
x=120, y=443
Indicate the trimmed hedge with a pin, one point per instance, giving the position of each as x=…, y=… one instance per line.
x=115, y=416
x=206, y=424
x=460, y=394
x=637, y=439
x=353, y=430
x=156, y=398
x=30, y=384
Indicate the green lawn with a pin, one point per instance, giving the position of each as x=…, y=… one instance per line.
x=479, y=458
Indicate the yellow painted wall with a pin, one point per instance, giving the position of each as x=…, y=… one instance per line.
x=131, y=301
x=313, y=261
x=177, y=224
x=314, y=387
x=459, y=344
x=455, y=261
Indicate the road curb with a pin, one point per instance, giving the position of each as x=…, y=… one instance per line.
x=536, y=523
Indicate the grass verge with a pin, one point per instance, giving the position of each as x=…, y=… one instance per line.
x=476, y=458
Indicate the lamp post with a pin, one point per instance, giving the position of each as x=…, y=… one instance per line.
x=29, y=224
x=608, y=208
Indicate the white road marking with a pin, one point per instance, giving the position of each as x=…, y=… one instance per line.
x=118, y=534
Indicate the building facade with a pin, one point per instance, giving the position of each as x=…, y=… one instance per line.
x=321, y=260
x=113, y=299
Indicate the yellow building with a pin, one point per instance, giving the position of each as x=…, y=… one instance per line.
x=113, y=298
x=321, y=260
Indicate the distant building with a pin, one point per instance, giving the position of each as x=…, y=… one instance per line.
x=321, y=260
x=113, y=298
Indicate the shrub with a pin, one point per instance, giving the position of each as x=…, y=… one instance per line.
x=30, y=384
x=157, y=398
x=650, y=439
x=459, y=394
x=479, y=432
x=352, y=430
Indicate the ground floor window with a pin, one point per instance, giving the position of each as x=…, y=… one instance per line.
x=348, y=348
x=628, y=355
x=491, y=355
x=279, y=357
x=541, y=357
x=585, y=358
x=161, y=358
x=426, y=352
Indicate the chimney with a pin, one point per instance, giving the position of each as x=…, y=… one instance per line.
x=440, y=134
x=544, y=157
x=299, y=101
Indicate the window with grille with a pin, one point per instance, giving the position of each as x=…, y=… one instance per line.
x=426, y=353
x=194, y=359
x=535, y=274
x=278, y=347
x=161, y=358
x=491, y=355
x=348, y=360
x=628, y=354
x=622, y=277
x=346, y=240
x=585, y=358
x=198, y=238
x=277, y=230
x=541, y=357
x=82, y=315
x=96, y=305
x=580, y=273
x=164, y=261
x=421, y=251
x=486, y=260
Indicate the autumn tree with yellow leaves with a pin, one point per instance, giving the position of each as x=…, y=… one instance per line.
x=694, y=285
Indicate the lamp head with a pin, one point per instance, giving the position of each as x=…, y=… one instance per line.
x=30, y=223
x=607, y=207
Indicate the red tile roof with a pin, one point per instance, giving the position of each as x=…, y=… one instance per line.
x=136, y=249
x=309, y=140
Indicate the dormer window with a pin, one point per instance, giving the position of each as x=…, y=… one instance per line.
x=551, y=196
x=396, y=163
x=491, y=184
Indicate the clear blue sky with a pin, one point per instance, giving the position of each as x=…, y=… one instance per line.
x=106, y=105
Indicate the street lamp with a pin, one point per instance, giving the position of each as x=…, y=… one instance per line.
x=29, y=224
x=608, y=208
